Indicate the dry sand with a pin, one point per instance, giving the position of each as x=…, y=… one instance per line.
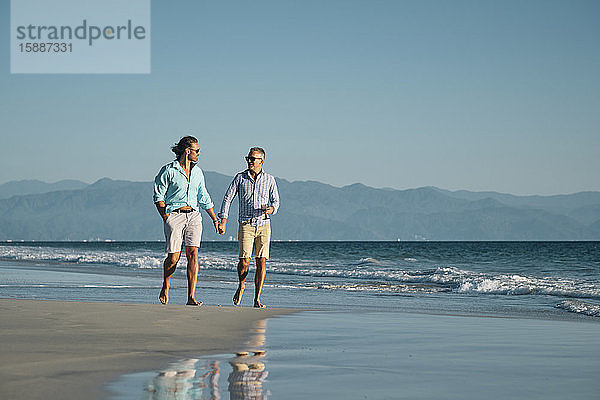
x=69, y=350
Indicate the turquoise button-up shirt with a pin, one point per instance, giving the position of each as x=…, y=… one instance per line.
x=172, y=186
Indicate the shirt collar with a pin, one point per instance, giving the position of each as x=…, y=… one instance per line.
x=178, y=166
x=262, y=171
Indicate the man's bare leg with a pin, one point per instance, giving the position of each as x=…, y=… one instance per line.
x=169, y=266
x=191, y=252
x=259, y=280
x=242, y=268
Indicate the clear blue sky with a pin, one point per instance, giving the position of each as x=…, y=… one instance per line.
x=477, y=95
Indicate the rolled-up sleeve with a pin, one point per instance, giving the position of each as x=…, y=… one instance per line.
x=274, y=196
x=229, y=196
x=204, y=200
x=161, y=184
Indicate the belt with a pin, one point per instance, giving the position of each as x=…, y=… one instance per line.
x=255, y=219
x=179, y=210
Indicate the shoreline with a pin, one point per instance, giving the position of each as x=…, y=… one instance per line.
x=71, y=350
x=234, y=242
x=53, y=280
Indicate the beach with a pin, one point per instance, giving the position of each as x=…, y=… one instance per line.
x=73, y=350
x=396, y=355
x=388, y=355
x=386, y=321
x=69, y=350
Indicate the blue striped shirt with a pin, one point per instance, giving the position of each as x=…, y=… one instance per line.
x=172, y=186
x=253, y=195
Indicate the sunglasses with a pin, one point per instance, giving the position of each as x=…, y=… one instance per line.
x=196, y=150
x=252, y=159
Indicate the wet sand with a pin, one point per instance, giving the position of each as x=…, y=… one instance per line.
x=395, y=355
x=70, y=350
x=390, y=355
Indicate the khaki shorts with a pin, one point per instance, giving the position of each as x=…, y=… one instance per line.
x=183, y=227
x=258, y=237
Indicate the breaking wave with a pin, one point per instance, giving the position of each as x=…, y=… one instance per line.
x=366, y=274
x=523, y=285
x=132, y=258
x=580, y=307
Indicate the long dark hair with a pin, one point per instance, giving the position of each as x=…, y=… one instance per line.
x=184, y=143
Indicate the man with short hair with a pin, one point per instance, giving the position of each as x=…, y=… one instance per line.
x=258, y=198
x=179, y=193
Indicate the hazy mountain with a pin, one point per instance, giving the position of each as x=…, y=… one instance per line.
x=123, y=210
x=15, y=188
x=595, y=229
x=562, y=204
x=586, y=213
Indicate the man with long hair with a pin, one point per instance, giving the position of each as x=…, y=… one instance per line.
x=179, y=193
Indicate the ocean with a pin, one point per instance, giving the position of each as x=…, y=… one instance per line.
x=539, y=279
x=385, y=320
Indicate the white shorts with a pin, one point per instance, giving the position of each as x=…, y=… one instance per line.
x=183, y=228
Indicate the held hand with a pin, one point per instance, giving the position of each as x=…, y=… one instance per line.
x=222, y=227
x=217, y=226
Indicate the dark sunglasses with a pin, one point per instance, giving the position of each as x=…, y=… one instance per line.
x=196, y=150
x=250, y=158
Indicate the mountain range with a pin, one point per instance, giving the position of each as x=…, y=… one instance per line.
x=123, y=210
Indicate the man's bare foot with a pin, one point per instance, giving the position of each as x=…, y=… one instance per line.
x=258, y=304
x=237, y=297
x=164, y=295
x=193, y=302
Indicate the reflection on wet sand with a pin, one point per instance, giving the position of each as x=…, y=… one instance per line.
x=186, y=380
x=194, y=379
x=247, y=377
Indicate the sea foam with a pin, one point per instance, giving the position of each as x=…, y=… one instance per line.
x=580, y=307
x=365, y=274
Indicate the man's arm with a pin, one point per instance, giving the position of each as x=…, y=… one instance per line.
x=204, y=200
x=227, y=199
x=206, y=203
x=273, y=198
x=161, y=184
x=161, y=207
x=230, y=194
x=215, y=220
